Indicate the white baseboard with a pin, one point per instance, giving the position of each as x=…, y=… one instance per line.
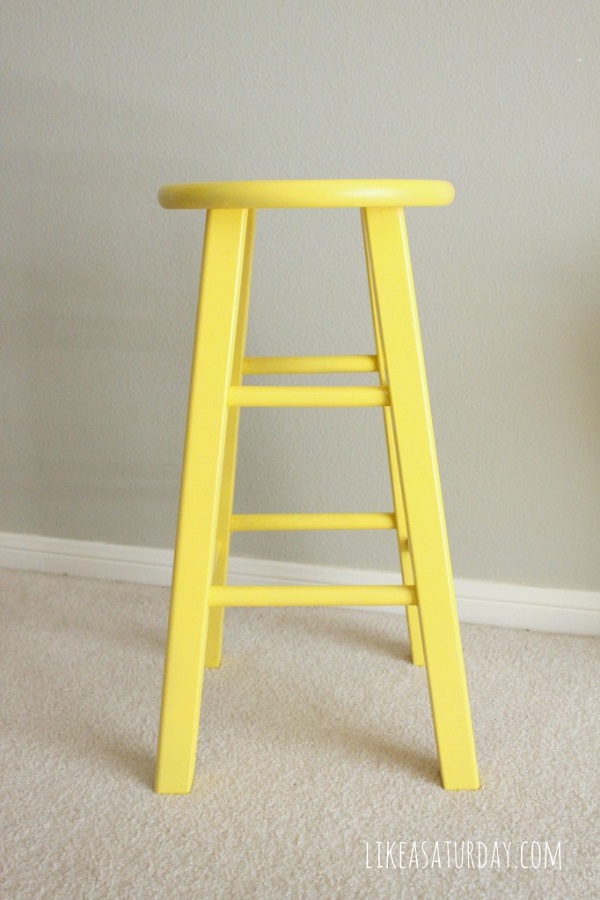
x=479, y=602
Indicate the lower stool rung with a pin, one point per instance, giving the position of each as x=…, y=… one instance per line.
x=313, y=595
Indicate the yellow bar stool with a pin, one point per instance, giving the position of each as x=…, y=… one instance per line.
x=199, y=592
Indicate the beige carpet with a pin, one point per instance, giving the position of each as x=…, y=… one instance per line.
x=315, y=744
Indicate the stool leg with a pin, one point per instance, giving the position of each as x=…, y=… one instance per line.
x=218, y=303
x=411, y=421
x=412, y=612
x=216, y=616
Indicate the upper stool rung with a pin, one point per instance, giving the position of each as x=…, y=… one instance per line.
x=308, y=365
x=307, y=396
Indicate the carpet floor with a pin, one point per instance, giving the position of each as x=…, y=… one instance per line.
x=316, y=774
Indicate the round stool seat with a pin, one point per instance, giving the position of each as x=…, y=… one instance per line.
x=362, y=193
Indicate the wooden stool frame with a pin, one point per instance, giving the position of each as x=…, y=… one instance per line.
x=199, y=592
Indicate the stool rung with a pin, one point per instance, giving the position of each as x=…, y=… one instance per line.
x=313, y=595
x=308, y=396
x=313, y=522
x=307, y=365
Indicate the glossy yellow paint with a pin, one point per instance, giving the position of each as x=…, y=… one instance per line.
x=214, y=641
x=308, y=396
x=314, y=522
x=302, y=194
x=308, y=365
x=314, y=595
x=199, y=592
x=219, y=296
x=412, y=613
x=394, y=295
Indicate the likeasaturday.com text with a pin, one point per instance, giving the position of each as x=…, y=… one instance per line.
x=463, y=855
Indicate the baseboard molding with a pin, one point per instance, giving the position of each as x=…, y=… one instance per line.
x=479, y=602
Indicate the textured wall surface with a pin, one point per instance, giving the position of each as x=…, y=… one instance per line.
x=103, y=102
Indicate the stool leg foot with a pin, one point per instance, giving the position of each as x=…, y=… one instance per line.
x=218, y=304
x=413, y=432
x=414, y=634
x=214, y=637
x=216, y=617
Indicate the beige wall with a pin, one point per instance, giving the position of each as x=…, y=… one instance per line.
x=102, y=102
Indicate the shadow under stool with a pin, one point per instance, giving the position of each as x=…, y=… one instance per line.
x=199, y=591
